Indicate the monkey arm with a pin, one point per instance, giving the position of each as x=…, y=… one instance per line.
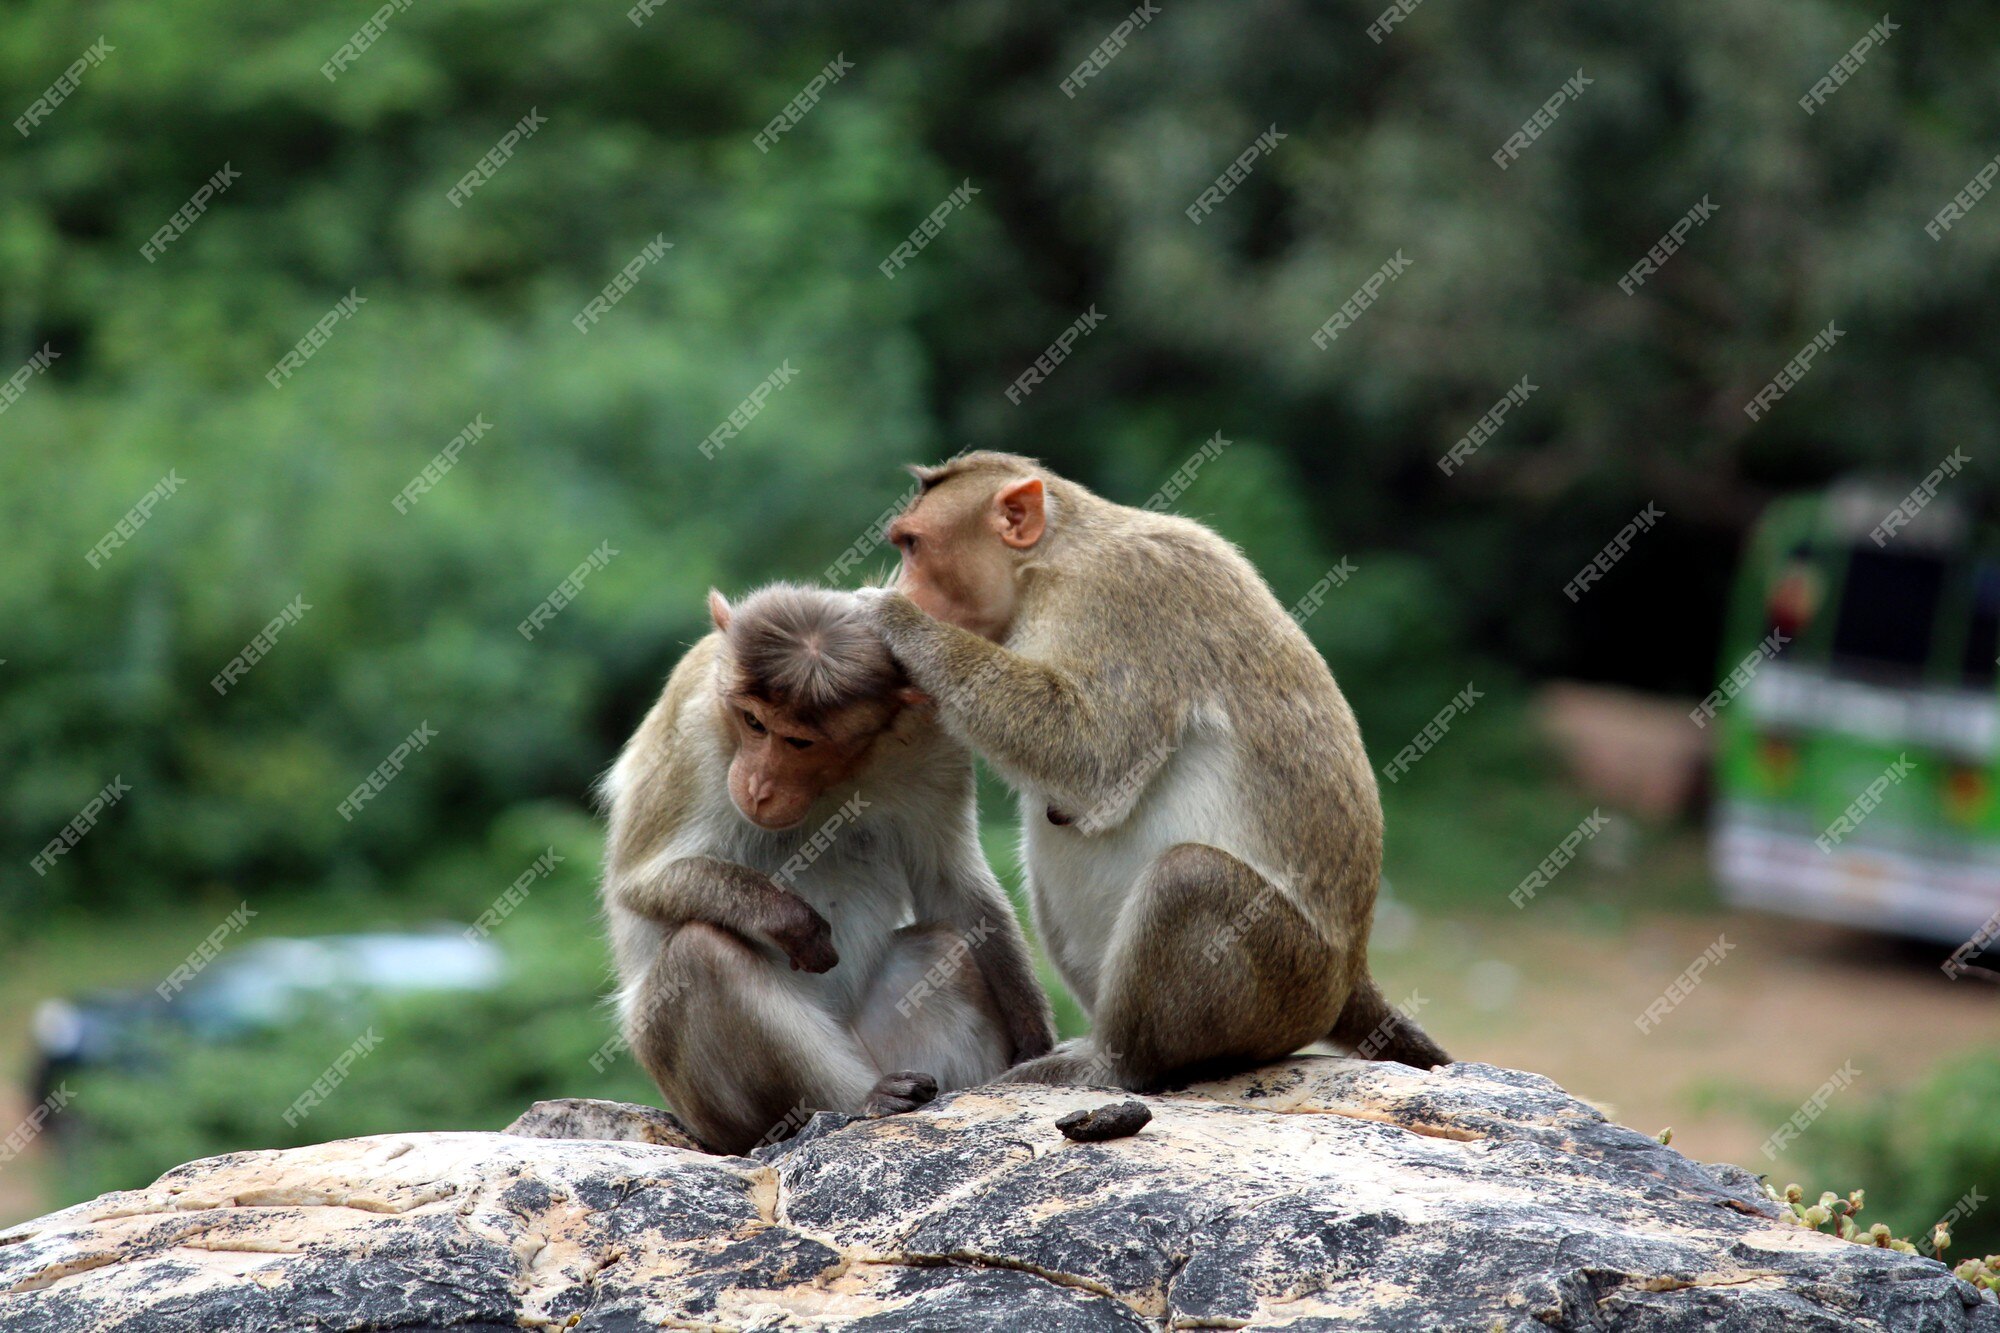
x=1053, y=727
x=970, y=899
x=743, y=901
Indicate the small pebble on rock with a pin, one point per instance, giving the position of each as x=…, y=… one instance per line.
x=1114, y=1120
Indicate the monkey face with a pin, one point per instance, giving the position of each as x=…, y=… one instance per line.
x=782, y=765
x=963, y=544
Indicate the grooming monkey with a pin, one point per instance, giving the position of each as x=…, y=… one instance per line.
x=800, y=913
x=1200, y=826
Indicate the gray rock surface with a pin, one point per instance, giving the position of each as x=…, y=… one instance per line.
x=1319, y=1194
x=592, y=1118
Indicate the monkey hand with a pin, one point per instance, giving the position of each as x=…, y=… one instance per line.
x=888, y=610
x=805, y=936
x=894, y=1094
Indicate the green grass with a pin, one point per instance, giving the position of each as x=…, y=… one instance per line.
x=1484, y=808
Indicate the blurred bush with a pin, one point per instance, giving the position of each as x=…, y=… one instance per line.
x=438, y=1059
x=1920, y=1153
x=459, y=1061
x=344, y=184
x=287, y=492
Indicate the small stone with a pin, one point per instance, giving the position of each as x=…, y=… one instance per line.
x=1114, y=1120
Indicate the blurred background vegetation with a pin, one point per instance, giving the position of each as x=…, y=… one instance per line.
x=287, y=492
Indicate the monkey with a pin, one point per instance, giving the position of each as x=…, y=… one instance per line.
x=1201, y=829
x=800, y=914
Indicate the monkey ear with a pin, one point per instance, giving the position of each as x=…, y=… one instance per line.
x=718, y=609
x=912, y=697
x=1018, y=513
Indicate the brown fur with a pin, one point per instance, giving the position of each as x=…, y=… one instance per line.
x=703, y=942
x=1119, y=630
x=809, y=651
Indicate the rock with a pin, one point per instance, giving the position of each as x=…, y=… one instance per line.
x=1101, y=1124
x=590, y=1118
x=1316, y=1195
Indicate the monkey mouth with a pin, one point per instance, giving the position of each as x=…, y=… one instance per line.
x=770, y=827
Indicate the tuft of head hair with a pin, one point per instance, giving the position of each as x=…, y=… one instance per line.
x=808, y=650
x=982, y=462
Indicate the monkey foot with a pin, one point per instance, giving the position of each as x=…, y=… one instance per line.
x=896, y=1093
x=1075, y=1063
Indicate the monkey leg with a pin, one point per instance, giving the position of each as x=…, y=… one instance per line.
x=1075, y=1063
x=1210, y=969
x=928, y=1009
x=738, y=1054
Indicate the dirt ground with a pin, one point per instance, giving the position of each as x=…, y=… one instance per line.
x=1785, y=1006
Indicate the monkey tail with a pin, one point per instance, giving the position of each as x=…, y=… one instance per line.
x=1376, y=1030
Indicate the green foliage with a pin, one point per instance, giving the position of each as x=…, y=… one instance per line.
x=1920, y=1150
x=286, y=492
x=439, y=1060
x=459, y=1062
x=1838, y=1216
x=412, y=616
x=468, y=1062
x=1981, y=1271
x=344, y=187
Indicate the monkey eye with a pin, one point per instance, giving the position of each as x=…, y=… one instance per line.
x=908, y=541
x=798, y=742
x=750, y=721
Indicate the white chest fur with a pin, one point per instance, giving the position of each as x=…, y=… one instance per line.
x=1082, y=875
x=853, y=868
x=853, y=859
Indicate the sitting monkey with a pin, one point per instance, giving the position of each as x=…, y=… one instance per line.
x=800, y=913
x=1201, y=828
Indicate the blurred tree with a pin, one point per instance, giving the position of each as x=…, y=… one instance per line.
x=344, y=186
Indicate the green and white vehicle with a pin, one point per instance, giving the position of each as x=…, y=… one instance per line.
x=1859, y=718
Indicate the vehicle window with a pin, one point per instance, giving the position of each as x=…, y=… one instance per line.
x=1888, y=610
x=1982, y=638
